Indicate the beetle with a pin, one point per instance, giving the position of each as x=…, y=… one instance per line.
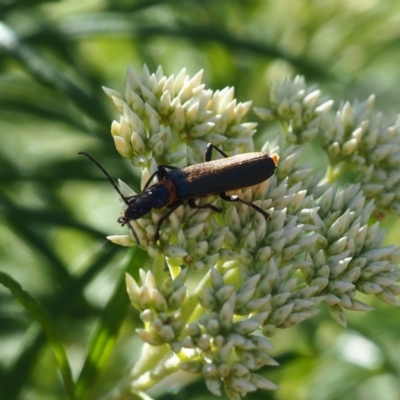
x=213, y=177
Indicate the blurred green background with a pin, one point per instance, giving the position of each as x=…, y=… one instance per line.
x=56, y=208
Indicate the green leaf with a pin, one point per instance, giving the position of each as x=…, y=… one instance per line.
x=38, y=313
x=105, y=335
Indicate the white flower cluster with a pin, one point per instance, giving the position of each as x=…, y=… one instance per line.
x=165, y=119
x=256, y=276
x=359, y=141
x=350, y=256
x=160, y=306
x=159, y=114
x=296, y=106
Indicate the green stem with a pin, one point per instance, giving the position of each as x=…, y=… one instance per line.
x=161, y=371
x=333, y=173
x=284, y=125
x=150, y=357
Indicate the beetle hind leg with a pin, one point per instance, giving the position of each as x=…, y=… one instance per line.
x=193, y=204
x=233, y=198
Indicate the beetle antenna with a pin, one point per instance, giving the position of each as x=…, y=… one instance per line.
x=83, y=153
x=106, y=174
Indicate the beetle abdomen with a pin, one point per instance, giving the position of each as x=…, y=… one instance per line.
x=218, y=176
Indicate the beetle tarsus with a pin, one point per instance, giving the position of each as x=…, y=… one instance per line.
x=193, y=204
x=234, y=198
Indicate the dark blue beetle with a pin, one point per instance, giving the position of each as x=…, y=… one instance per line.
x=213, y=177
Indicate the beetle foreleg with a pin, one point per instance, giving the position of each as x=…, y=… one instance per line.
x=225, y=197
x=150, y=179
x=193, y=204
x=160, y=173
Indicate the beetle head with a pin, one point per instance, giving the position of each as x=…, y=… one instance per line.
x=137, y=206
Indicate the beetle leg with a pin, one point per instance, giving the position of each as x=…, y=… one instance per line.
x=193, y=204
x=134, y=233
x=160, y=173
x=150, y=179
x=210, y=146
x=225, y=197
x=172, y=208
